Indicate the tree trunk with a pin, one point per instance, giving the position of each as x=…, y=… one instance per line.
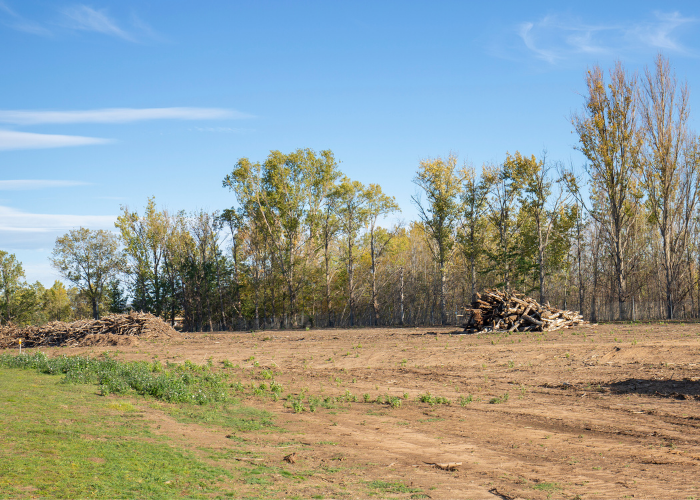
x=373, y=269
x=327, y=258
x=401, y=295
x=351, y=300
x=443, y=311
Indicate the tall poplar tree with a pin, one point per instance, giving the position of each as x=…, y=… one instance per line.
x=669, y=170
x=440, y=182
x=610, y=140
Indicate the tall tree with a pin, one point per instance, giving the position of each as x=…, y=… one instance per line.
x=144, y=238
x=287, y=191
x=352, y=210
x=377, y=205
x=56, y=303
x=11, y=280
x=473, y=221
x=669, y=169
x=440, y=181
x=544, y=209
x=90, y=260
x=507, y=182
x=610, y=140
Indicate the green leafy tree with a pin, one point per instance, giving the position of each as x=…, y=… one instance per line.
x=352, y=212
x=11, y=282
x=544, y=209
x=287, y=193
x=145, y=239
x=90, y=260
x=116, y=297
x=56, y=303
x=440, y=181
x=473, y=221
x=377, y=205
x=508, y=257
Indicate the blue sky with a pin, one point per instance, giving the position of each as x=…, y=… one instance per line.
x=104, y=104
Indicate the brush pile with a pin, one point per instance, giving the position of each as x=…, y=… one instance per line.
x=109, y=329
x=496, y=311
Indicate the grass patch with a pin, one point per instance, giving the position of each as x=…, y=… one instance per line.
x=59, y=441
x=387, y=487
x=232, y=417
x=547, y=486
x=186, y=383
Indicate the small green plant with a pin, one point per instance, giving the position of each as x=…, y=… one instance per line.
x=499, y=399
x=298, y=406
x=464, y=401
x=433, y=400
x=546, y=486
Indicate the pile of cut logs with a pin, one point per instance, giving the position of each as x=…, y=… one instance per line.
x=58, y=333
x=496, y=311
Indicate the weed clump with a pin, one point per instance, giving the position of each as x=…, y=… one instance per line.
x=187, y=383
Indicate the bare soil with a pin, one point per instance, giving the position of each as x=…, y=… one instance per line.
x=610, y=411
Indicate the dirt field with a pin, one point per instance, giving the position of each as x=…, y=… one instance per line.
x=596, y=412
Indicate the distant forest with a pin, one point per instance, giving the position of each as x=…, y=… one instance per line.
x=304, y=245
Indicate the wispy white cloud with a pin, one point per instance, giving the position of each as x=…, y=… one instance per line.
x=525, y=32
x=231, y=130
x=84, y=18
x=555, y=38
x=661, y=33
x=30, y=184
x=12, y=19
x=18, y=221
x=80, y=17
x=116, y=115
x=10, y=139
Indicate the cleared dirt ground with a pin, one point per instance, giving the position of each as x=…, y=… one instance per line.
x=596, y=412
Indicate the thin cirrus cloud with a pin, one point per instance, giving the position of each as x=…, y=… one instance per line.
x=78, y=18
x=26, y=230
x=84, y=18
x=11, y=139
x=556, y=38
x=31, y=184
x=12, y=19
x=14, y=220
x=116, y=115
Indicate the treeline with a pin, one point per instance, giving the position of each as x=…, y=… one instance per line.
x=304, y=245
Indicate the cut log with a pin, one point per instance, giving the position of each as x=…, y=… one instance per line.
x=500, y=311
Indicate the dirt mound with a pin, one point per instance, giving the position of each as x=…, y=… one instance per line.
x=116, y=329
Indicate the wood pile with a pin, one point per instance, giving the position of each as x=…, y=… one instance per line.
x=78, y=333
x=496, y=311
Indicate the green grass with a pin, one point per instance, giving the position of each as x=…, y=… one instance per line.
x=230, y=416
x=547, y=486
x=186, y=383
x=377, y=487
x=61, y=441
